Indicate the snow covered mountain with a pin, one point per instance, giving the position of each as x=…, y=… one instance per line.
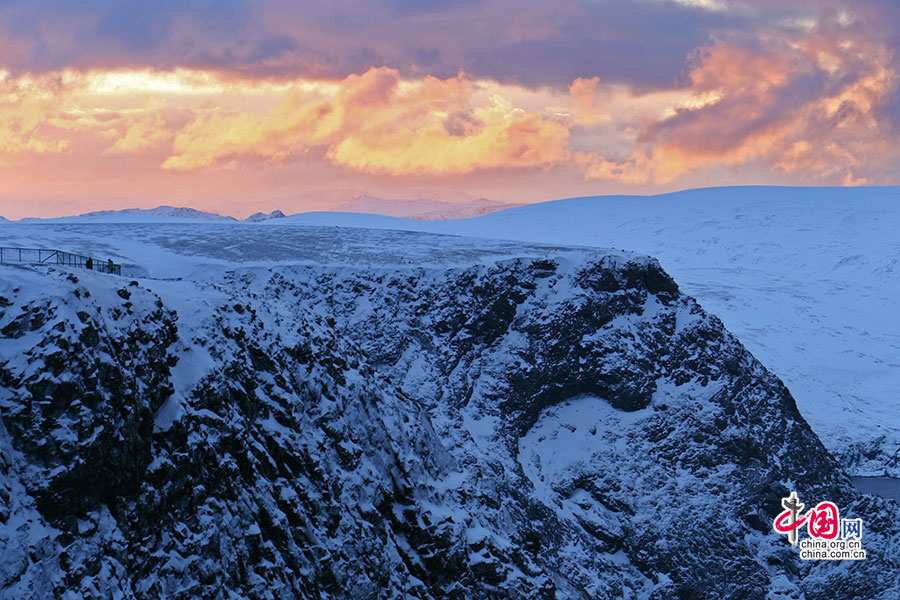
x=807, y=278
x=158, y=214
x=380, y=414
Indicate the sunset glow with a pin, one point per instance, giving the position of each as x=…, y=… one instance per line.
x=802, y=97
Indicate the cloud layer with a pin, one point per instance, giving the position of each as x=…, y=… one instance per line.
x=565, y=96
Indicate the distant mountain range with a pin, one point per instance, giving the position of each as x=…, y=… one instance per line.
x=422, y=209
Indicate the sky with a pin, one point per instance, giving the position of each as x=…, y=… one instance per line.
x=237, y=106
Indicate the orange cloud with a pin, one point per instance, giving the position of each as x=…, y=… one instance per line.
x=64, y=112
x=374, y=122
x=219, y=135
x=141, y=131
x=378, y=123
x=25, y=104
x=494, y=136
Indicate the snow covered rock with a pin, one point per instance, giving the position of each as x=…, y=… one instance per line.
x=562, y=426
x=289, y=470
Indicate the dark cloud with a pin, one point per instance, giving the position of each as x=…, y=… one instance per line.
x=534, y=42
x=642, y=43
x=144, y=26
x=46, y=35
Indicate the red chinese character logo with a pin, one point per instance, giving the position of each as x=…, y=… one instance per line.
x=824, y=521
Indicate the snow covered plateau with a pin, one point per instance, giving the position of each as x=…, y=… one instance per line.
x=295, y=409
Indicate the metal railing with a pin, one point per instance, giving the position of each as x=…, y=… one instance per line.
x=43, y=256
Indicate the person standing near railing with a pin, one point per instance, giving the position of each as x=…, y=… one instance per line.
x=111, y=266
x=89, y=264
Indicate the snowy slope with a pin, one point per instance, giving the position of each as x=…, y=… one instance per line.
x=807, y=278
x=283, y=411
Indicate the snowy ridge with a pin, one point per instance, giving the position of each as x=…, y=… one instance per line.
x=363, y=413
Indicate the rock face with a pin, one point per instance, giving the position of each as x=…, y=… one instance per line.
x=564, y=427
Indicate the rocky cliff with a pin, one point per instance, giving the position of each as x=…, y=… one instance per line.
x=563, y=426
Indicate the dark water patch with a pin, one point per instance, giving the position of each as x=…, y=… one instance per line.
x=886, y=487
